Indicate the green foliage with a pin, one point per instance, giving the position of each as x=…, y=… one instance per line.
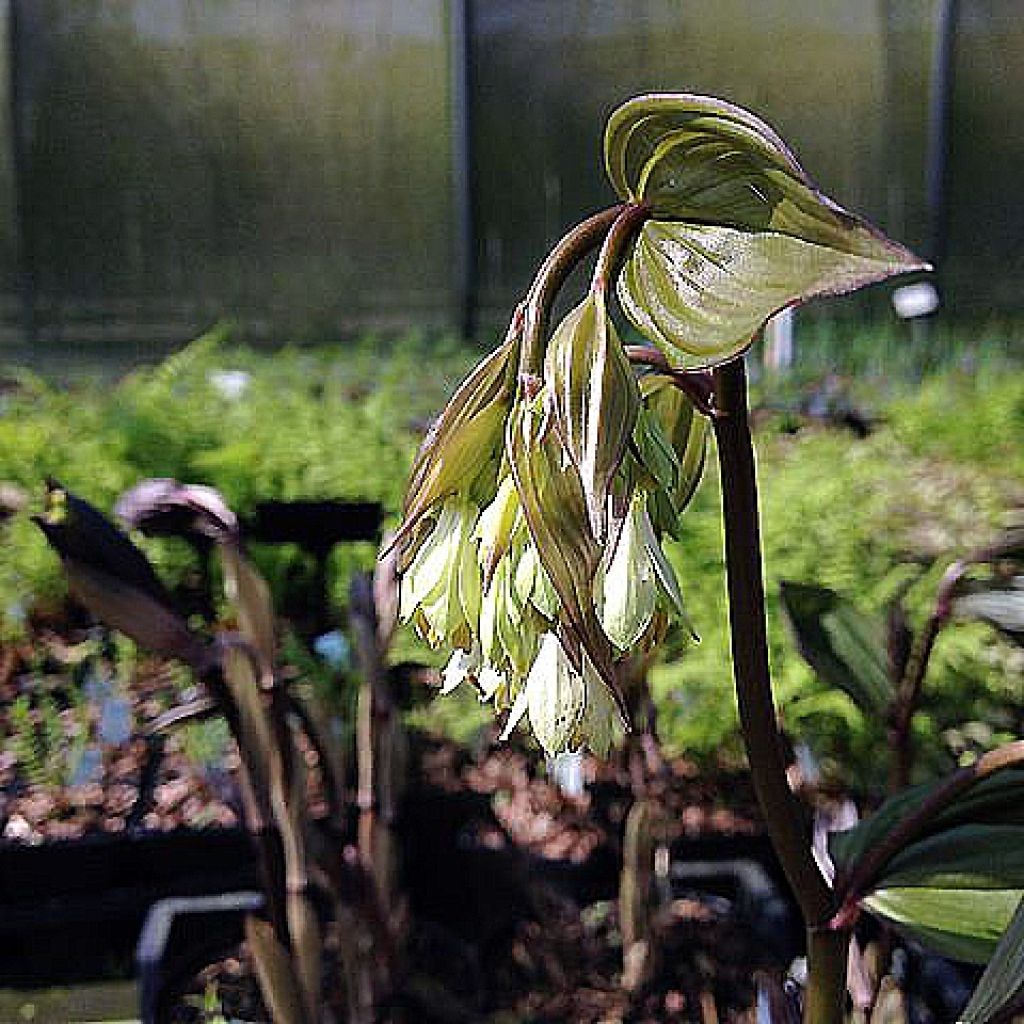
x=844, y=646
x=860, y=517
x=840, y=512
x=326, y=422
x=739, y=230
x=933, y=423
x=46, y=741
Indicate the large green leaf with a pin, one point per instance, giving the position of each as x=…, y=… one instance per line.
x=1001, y=988
x=701, y=291
x=738, y=231
x=844, y=646
x=960, y=923
x=956, y=885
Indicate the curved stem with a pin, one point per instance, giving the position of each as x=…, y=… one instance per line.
x=826, y=950
x=909, y=692
x=624, y=230
x=560, y=263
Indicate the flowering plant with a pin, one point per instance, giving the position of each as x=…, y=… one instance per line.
x=531, y=538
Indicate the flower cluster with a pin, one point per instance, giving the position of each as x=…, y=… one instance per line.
x=531, y=537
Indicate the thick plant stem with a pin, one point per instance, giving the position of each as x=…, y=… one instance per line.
x=783, y=817
x=825, y=995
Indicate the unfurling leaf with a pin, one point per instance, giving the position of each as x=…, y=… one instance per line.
x=164, y=507
x=738, y=231
x=845, y=647
x=1000, y=990
x=113, y=578
x=593, y=392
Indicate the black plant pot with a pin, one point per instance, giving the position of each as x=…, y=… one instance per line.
x=72, y=911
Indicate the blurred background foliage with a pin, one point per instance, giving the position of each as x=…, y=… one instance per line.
x=939, y=473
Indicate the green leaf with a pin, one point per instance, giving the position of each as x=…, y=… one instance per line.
x=958, y=923
x=738, y=231
x=845, y=647
x=955, y=886
x=996, y=800
x=966, y=857
x=700, y=292
x=655, y=451
x=686, y=431
x=637, y=130
x=1001, y=988
x=595, y=399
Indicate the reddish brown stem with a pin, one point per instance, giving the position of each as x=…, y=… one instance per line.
x=697, y=385
x=560, y=263
x=617, y=242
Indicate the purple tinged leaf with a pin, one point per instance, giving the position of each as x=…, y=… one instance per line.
x=113, y=578
x=162, y=506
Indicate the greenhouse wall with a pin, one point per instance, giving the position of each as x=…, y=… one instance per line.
x=301, y=166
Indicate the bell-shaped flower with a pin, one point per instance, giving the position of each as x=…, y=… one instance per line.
x=567, y=709
x=440, y=590
x=113, y=578
x=636, y=580
x=496, y=526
